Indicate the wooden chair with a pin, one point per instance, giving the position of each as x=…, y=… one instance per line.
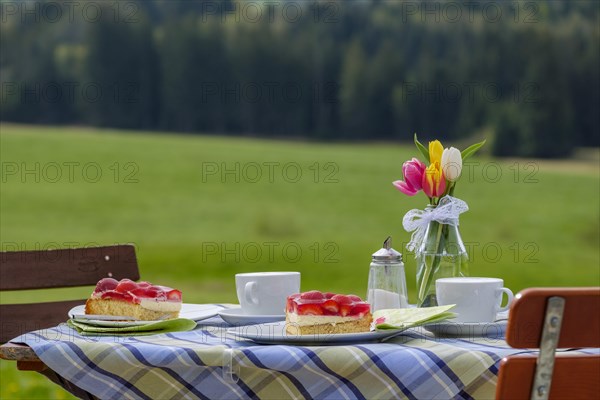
x=22, y=270
x=551, y=318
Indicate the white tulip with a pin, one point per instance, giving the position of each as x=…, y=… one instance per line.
x=451, y=164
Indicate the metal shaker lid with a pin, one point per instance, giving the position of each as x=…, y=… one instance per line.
x=387, y=253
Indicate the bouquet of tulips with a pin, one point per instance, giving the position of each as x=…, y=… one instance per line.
x=440, y=177
x=435, y=238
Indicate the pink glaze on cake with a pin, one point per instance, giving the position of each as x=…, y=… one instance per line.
x=132, y=292
x=317, y=303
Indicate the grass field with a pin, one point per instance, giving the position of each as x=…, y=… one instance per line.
x=321, y=209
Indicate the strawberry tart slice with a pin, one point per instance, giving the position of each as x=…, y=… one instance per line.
x=325, y=313
x=143, y=301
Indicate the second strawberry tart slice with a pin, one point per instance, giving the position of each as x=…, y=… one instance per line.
x=326, y=313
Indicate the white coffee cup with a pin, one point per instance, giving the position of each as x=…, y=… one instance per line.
x=476, y=299
x=265, y=293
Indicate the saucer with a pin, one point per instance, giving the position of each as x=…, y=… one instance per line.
x=494, y=329
x=235, y=316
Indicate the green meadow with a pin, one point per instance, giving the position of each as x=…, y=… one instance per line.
x=202, y=208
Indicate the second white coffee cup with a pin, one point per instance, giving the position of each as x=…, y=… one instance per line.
x=476, y=299
x=265, y=293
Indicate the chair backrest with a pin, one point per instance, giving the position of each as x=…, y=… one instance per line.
x=535, y=317
x=22, y=270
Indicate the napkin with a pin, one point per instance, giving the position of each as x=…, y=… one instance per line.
x=87, y=328
x=404, y=318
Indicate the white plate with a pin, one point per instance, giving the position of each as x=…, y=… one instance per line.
x=235, y=316
x=273, y=333
x=196, y=312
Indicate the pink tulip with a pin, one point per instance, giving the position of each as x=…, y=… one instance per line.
x=405, y=188
x=413, y=172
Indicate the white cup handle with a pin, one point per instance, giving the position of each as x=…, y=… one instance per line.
x=250, y=292
x=510, y=296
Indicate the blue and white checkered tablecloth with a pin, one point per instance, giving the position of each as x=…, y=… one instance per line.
x=205, y=363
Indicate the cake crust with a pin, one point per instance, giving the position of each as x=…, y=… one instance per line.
x=126, y=309
x=360, y=325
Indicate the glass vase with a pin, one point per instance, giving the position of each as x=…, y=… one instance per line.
x=442, y=254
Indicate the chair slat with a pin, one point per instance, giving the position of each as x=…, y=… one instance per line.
x=22, y=270
x=574, y=377
x=18, y=319
x=580, y=326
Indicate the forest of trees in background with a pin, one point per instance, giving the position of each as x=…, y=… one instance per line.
x=524, y=74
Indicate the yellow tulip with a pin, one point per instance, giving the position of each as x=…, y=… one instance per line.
x=435, y=151
x=434, y=182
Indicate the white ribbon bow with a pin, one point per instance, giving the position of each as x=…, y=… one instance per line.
x=446, y=212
